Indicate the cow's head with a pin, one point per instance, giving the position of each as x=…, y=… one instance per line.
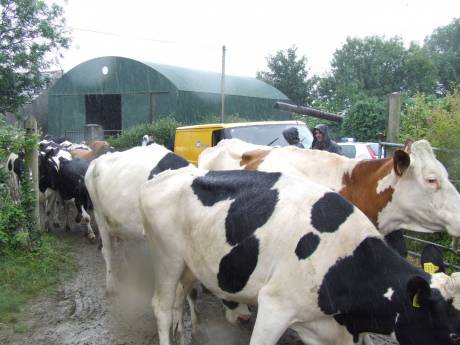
x=430, y=317
x=424, y=199
x=101, y=147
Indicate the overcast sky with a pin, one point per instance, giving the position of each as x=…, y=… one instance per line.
x=191, y=33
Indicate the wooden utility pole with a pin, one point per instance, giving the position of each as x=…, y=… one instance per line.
x=222, y=86
x=393, y=120
x=30, y=125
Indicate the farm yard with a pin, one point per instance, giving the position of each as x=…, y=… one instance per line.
x=144, y=203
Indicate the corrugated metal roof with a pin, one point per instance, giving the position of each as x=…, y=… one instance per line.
x=202, y=81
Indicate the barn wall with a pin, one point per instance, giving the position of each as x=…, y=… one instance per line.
x=65, y=113
x=134, y=109
x=193, y=106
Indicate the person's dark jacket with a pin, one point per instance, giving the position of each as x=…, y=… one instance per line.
x=291, y=135
x=327, y=144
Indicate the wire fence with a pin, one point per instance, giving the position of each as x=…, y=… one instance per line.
x=78, y=135
x=381, y=154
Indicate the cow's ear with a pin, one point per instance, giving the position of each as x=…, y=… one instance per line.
x=408, y=145
x=418, y=292
x=401, y=161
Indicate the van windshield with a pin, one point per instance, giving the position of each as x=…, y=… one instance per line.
x=269, y=134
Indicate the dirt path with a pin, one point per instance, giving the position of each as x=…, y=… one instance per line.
x=79, y=313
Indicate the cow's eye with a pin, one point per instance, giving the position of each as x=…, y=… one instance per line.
x=433, y=182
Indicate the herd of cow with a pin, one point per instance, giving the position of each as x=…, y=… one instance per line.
x=302, y=234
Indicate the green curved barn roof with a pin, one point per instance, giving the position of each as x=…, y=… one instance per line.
x=201, y=81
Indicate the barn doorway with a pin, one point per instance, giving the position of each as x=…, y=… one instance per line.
x=104, y=110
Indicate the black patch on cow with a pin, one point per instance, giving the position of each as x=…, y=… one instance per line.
x=329, y=212
x=353, y=288
x=236, y=267
x=19, y=167
x=230, y=304
x=170, y=161
x=396, y=241
x=307, y=245
x=254, y=200
x=10, y=165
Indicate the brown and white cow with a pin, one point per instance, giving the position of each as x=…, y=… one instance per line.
x=410, y=190
x=98, y=148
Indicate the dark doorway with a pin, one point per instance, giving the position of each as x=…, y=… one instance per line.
x=104, y=110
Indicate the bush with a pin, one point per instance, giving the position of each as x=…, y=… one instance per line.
x=438, y=121
x=365, y=119
x=163, y=131
x=17, y=225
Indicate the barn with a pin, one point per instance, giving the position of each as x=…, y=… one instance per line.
x=118, y=92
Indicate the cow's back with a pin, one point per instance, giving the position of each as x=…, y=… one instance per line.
x=226, y=155
x=263, y=223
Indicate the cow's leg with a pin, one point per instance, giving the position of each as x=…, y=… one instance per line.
x=184, y=289
x=87, y=221
x=66, y=214
x=83, y=215
x=107, y=248
x=51, y=209
x=168, y=273
x=272, y=320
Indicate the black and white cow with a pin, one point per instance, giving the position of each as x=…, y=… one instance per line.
x=62, y=178
x=16, y=169
x=432, y=260
x=113, y=183
x=309, y=259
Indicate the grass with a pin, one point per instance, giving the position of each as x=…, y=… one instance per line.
x=23, y=275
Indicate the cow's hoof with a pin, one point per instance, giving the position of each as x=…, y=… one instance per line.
x=67, y=228
x=56, y=225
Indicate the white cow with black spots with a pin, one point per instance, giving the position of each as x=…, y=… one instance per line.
x=113, y=182
x=306, y=256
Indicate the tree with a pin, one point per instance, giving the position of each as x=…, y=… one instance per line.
x=444, y=47
x=369, y=67
x=30, y=32
x=288, y=73
x=420, y=71
x=365, y=119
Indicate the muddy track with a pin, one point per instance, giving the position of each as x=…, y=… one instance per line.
x=78, y=312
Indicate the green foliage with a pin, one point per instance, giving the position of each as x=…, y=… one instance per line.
x=162, y=130
x=371, y=66
x=18, y=230
x=288, y=73
x=30, y=33
x=444, y=47
x=438, y=121
x=365, y=119
x=24, y=274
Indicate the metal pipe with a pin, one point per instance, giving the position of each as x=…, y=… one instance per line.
x=308, y=111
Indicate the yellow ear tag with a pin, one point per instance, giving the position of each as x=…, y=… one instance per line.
x=429, y=267
x=415, y=301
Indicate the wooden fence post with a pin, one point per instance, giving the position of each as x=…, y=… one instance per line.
x=393, y=121
x=30, y=125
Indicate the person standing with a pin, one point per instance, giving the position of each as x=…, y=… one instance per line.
x=291, y=135
x=321, y=140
